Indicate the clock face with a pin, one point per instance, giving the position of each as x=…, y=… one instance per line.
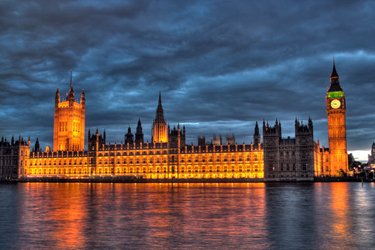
x=335, y=104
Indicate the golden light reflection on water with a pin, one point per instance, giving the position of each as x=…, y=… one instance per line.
x=339, y=206
x=165, y=216
x=73, y=215
x=54, y=214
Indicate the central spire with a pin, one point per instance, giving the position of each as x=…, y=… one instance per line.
x=159, y=111
x=159, y=127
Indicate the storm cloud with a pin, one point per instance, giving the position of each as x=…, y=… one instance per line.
x=220, y=65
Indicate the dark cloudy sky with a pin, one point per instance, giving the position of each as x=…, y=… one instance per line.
x=220, y=65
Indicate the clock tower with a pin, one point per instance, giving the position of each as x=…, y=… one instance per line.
x=336, y=112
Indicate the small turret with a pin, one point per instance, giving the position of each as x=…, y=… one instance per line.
x=256, y=136
x=139, y=133
x=310, y=124
x=70, y=96
x=296, y=124
x=129, y=139
x=272, y=130
x=302, y=129
x=37, y=146
x=57, y=97
x=83, y=98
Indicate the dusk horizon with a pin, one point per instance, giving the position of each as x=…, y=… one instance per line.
x=220, y=67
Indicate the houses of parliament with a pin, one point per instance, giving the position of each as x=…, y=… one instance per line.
x=270, y=156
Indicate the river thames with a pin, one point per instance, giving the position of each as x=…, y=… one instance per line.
x=187, y=216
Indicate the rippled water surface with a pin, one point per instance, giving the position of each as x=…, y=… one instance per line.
x=187, y=216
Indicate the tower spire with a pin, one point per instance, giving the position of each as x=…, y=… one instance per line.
x=159, y=127
x=334, y=79
x=159, y=111
x=256, y=136
x=71, y=79
x=334, y=72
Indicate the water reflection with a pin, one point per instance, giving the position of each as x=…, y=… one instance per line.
x=290, y=215
x=165, y=216
x=339, y=209
x=53, y=215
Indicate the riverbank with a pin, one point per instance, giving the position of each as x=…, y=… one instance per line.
x=134, y=179
x=213, y=180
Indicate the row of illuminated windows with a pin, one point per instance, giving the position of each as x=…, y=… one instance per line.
x=132, y=153
x=217, y=159
x=181, y=170
x=218, y=170
x=131, y=161
x=55, y=171
x=125, y=161
x=151, y=152
x=203, y=158
x=145, y=160
x=49, y=163
x=107, y=170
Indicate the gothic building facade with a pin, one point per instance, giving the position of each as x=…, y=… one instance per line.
x=336, y=116
x=69, y=122
x=289, y=158
x=167, y=156
x=12, y=155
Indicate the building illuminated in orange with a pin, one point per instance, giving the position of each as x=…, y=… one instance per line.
x=159, y=126
x=336, y=112
x=69, y=122
x=168, y=156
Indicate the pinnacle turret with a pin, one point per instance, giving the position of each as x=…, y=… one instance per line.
x=256, y=136
x=70, y=96
x=139, y=133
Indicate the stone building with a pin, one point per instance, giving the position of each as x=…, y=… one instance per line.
x=69, y=122
x=336, y=116
x=176, y=136
x=167, y=155
x=288, y=158
x=163, y=160
x=12, y=156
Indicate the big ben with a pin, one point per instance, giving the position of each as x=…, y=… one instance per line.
x=336, y=112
